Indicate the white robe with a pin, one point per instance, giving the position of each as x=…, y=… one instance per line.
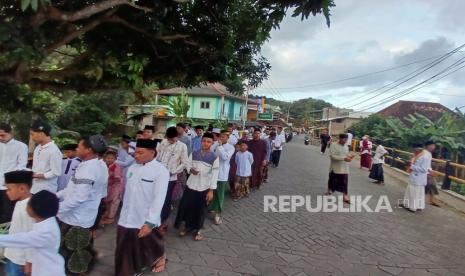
x=414, y=197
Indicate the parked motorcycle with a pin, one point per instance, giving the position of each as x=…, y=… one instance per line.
x=307, y=140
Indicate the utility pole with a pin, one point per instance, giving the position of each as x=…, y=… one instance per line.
x=245, y=109
x=288, y=108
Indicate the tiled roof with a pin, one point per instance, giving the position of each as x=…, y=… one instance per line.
x=402, y=109
x=210, y=89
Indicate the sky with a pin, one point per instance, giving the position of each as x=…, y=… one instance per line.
x=365, y=37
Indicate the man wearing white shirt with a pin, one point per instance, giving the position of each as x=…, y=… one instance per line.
x=233, y=134
x=277, y=146
x=173, y=154
x=420, y=165
x=139, y=243
x=13, y=157
x=46, y=162
x=350, y=136
x=224, y=151
x=80, y=200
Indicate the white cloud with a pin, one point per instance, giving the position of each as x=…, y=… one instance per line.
x=365, y=36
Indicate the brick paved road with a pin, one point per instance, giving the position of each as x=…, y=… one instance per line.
x=251, y=242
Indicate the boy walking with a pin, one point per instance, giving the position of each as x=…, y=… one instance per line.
x=244, y=161
x=44, y=238
x=18, y=186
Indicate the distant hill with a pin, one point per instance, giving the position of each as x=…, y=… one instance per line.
x=301, y=109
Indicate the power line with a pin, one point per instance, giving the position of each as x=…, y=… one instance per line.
x=419, y=85
x=409, y=77
x=359, y=76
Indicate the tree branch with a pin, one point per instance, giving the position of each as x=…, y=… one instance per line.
x=51, y=13
x=71, y=36
x=119, y=20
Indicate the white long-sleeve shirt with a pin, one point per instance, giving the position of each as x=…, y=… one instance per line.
x=80, y=200
x=224, y=153
x=244, y=161
x=420, y=169
x=173, y=156
x=207, y=164
x=13, y=157
x=44, y=242
x=21, y=222
x=46, y=160
x=144, y=194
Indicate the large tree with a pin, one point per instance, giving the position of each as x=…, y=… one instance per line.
x=89, y=45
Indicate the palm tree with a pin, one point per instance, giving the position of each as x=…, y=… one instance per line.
x=178, y=106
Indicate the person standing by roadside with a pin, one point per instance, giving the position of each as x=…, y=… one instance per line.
x=365, y=152
x=419, y=167
x=13, y=157
x=339, y=168
x=269, y=151
x=224, y=151
x=324, y=140
x=430, y=189
x=376, y=171
x=47, y=159
x=182, y=136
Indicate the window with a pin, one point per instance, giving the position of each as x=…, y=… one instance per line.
x=205, y=105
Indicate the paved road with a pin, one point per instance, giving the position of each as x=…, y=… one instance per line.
x=251, y=242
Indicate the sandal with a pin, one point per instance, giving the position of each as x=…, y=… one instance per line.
x=183, y=232
x=217, y=220
x=160, y=266
x=198, y=236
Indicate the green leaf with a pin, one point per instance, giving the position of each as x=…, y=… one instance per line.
x=25, y=4
x=79, y=261
x=77, y=238
x=34, y=4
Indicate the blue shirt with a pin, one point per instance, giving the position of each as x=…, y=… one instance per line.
x=196, y=143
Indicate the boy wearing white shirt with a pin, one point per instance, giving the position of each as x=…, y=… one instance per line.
x=43, y=240
x=224, y=151
x=46, y=163
x=139, y=244
x=18, y=184
x=13, y=156
x=244, y=161
x=80, y=200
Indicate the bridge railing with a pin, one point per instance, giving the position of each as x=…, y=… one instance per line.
x=450, y=174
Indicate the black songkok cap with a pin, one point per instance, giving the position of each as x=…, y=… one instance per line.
x=149, y=127
x=208, y=135
x=41, y=126
x=146, y=144
x=171, y=132
x=70, y=147
x=126, y=138
x=417, y=145
x=343, y=136
x=430, y=142
x=98, y=143
x=44, y=204
x=199, y=127
x=19, y=177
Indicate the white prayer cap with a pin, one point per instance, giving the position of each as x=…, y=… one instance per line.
x=216, y=130
x=132, y=147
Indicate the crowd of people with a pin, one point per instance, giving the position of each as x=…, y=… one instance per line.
x=421, y=186
x=56, y=205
